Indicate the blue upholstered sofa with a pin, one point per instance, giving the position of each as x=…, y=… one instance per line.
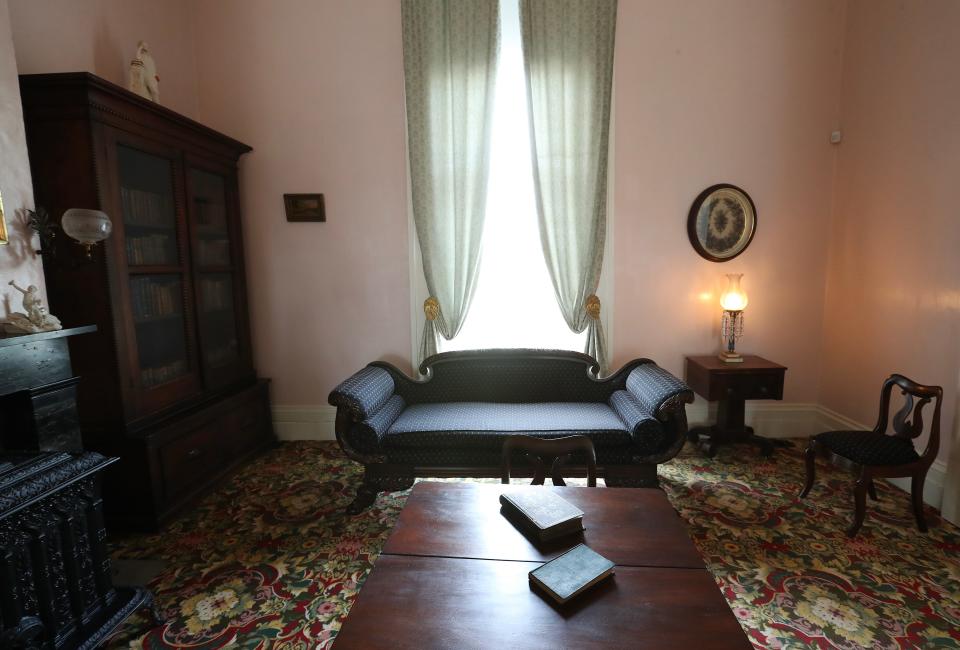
x=453, y=422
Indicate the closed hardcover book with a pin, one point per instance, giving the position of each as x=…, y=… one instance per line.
x=542, y=513
x=572, y=573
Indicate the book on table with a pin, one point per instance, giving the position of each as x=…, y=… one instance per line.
x=541, y=513
x=572, y=573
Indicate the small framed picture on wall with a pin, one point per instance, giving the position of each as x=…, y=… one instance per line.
x=304, y=207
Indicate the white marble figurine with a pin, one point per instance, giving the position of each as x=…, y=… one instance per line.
x=144, y=79
x=36, y=319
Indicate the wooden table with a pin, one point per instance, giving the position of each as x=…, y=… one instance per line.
x=453, y=574
x=731, y=384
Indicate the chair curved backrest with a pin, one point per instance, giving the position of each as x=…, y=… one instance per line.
x=548, y=450
x=908, y=421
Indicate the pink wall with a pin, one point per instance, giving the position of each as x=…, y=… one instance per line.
x=893, y=289
x=738, y=92
x=317, y=89
x=744, y=91
x=17, y=260
x=327, y=115
x=101, y=36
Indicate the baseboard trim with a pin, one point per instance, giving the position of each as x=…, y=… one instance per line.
x=305, y=422
x=768, y=418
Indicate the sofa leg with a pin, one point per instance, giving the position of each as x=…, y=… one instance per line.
x=636, y=476
x=377, y=478
x=366, y=495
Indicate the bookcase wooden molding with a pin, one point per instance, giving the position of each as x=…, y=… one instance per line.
x=167, y=382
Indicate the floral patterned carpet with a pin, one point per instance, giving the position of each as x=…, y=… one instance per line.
x=270, y=561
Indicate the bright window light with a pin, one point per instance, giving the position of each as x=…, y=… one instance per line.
x=514, y=305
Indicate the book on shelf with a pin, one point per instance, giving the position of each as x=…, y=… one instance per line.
x=149, y=249
x=216, y=294
x=541, y=513
x=144, y=208
x=161, y=374
x=565, y=577
x=152, y=299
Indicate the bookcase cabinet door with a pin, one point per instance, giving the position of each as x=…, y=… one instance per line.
x=218, y=273
x=150, y=250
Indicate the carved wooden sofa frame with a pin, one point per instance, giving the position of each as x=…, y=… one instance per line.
x=649, y=400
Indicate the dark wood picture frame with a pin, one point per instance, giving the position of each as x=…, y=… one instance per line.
x=304, y=207
x=694, y=213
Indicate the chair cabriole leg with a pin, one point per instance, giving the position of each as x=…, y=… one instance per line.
x=860, y=504
x=916, y=494
x=810, y=456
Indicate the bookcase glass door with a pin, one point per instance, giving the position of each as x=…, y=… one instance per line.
x=161, y=330
x=149, y=215
x=157, y=293
x=218, y=326
x=209, y=213
x=215, y=267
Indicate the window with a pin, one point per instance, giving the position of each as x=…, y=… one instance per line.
x=514, y=305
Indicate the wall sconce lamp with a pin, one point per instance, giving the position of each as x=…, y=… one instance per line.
x=734, y=301
x=87, y=227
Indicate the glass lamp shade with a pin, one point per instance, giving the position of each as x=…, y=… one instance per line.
x=86, y=226
x=733, y=297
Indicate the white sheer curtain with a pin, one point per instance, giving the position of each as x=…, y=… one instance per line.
x=514, y=304
x=450, y=53
x=568, y=53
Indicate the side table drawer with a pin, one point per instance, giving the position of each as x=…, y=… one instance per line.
x=754, y=385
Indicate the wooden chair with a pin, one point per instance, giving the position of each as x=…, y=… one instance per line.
x=552, y=452
x=879, y=455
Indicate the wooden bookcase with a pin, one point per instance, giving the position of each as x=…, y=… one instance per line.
x=167, y=382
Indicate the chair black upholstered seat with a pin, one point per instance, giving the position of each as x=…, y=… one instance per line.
x=869, y=448
x=882, y=455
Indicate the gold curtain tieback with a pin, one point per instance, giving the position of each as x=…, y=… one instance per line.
x=431, y=308
x=592, y=306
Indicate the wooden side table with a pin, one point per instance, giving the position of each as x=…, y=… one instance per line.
x=731, y=384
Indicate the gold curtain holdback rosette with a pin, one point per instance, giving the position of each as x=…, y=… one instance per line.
x=592, y=306
x=431, y=308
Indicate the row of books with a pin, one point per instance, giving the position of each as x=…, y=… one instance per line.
x=161, y=374
x=546, y=517
x=222, y=355
x=213, y=252
x=143, y=208
x=216, y=294
x=149, y=249
x=210, y=213
x=152, y=299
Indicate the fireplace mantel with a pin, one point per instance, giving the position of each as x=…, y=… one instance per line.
x=38, y=409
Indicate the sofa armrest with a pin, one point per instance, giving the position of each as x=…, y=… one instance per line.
x=647, y=431
x=367, y=435
x=658, y=392
x=364, y=393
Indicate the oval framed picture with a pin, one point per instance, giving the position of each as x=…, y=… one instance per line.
x=722, y=222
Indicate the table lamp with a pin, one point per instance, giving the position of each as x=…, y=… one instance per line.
x=734, y=301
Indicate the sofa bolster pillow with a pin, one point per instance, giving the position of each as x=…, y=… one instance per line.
x=364, y=393
x=657, y=390
x=367, y=435
x=643, y=426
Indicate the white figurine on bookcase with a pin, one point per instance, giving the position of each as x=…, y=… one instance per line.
x=144, y=79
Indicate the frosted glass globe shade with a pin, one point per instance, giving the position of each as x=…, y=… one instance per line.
x=86, y=226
